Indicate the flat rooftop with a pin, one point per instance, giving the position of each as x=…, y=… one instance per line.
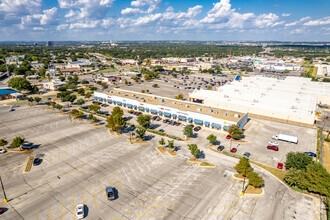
x=224, y=114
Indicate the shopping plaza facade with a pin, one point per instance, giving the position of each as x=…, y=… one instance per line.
x=183, y=111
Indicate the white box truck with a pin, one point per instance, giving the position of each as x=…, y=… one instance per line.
x=286, y=137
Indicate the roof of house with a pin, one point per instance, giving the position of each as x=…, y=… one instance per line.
x=7, y=91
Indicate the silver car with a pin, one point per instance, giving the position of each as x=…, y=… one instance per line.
x=80, y=211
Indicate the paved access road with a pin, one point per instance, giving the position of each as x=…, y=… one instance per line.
x=80, y=160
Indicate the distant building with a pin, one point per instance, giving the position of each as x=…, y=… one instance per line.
x=49, y=44
x=7, y=94
x=71, y=70
x=53, y=85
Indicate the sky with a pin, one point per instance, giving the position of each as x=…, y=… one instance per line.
x=199, y=20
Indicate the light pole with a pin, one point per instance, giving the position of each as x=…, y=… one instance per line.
x=130, y=138
x=3, y=190
x=247, y=159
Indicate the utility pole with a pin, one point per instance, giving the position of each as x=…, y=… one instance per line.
x=3, y=190
x=247, y=159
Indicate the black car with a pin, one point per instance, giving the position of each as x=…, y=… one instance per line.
x=311, y=154
x=197, y=128
x=161, y=130
x=37, y=161
x=157, y=119
x=154, y=117
x=220, y=148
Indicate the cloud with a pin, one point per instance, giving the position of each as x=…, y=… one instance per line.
x=39, y=29
x=141, y=6
x=265, y=20
x=298, y=31
x=90, y=24
x=321, y=21
x=49, y=17
x=286, y=15
x=62, y=27
x=298, y=22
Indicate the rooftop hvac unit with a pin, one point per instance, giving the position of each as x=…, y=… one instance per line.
x=300, y=92
x=255, y=100
x=263, y=94
x=297, y=99
x=237, y=116
x=133, y=95
x=118, y=92
x=199, y=109
x=174, y=103
x=216, y=112
x=161, y=100
x=293, y=107
x=187, y=106
x=269, y=88
x=236, y=90
x=210, y=110
x=274, y=84
x=154, y=97
x=245, y=85
x=226, y=96
x=126, y=94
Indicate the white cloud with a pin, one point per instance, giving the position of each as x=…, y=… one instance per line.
x=62, y=27
x=39, y=29
x=20, y=7
x=141, y=6
x=48, y=17
x=265, y=20
x=321, y=21
x=286, y=15
x=298, y=31
x=278, y=23
x=298, y=22
x=91, y=24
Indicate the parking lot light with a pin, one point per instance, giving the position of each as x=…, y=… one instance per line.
x=247, y=159
x=3, y=190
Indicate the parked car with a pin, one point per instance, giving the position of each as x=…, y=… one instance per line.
x=37, y=161
x=110, y=193
x=246, y=154
x=197, y=128
x=270, y=147
x=233, y=150
x=157, y=119
x=220, y=148
x=80, y=211
x=2, y=151
x=273, y=143
x=178, y=123
x=130, y=111
x=161, y=130
x=280, y=165
x=1, y=210
x=311, y=154
x=228, y=136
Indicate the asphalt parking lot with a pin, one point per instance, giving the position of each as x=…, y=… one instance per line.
x=80, y=160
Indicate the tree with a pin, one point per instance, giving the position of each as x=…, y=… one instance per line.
x=194, y=150
x=74, y=112
x=3, y=142
x=115, y=122
x=317, y=179
x=69, y=98
x=94, y=107
x=144, y=120
x=180, y=96
x=90, y=116
x=81, y=91
x=212, y=138
x=242, y=164
x=88, y=95
x=84, y=82
x=294, y=178
x=188, y=131
x=143, y=91
x=104, y=85
x=162, y=141
x=30, y=99
x=93, y=88
x=117, y=111
x=62, y=78
x=58, y=106
x=170, y=144
x=297, y=160
x=37, y=99
x=141, y=131
x=255, y=180
x=17, y=142
x=235, y=131
x=20, y=84
x=80, y=102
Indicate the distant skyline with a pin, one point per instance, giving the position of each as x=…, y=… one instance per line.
x=120, y=20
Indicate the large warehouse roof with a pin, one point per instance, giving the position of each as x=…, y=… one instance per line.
x=292, y=96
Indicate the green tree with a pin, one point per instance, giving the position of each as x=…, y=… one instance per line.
x=235, y=131
x=88, y=95
x=294, y=178
x=117, y=111
x=317, y=179
x=170, y=144
x=3, y=142
x=194, y=150
x=37, y=99
x=30, y=99
x=62, y=78
x=81, y=91
x=188, y=131
x=80, y=102
x=20, y=84
x=255, y=180
x=58, y=106
x=162, y=141
x=141, y=131
x=144, y=120
x=94, y=107
x=17, y=142
x=297, y=160
x=212, y=138
x=84, y=82
x=90, y=116
x=180, y=96
x=93, y=88
x=104, y=85
x=115, y=122
x=242, y=165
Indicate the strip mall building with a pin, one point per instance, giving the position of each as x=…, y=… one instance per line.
x=199, y=114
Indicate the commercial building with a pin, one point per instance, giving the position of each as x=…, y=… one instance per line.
x=184, y=111
x=53, y=85
x=291, y=99
x=7, y=94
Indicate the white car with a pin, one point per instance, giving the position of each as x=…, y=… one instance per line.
x=273, y=143
x=2, y=151
x=80, y=211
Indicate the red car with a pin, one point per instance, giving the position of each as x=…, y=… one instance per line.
x=233, y=150
x=275, y=148
x=280, y=165
x=1, y=210
x=228, y=136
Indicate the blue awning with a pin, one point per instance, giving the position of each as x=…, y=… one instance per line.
x=206, y=123
x=190, y=119
x=119, y=103
x=225, y=128
x=198, y=121
x=109, y=101
x=182, y=117
x=174, y=116
x=147, y=109
x=114, y=102
x=167, y=114
x=153, y=111
x=160, y=112
x=129, y=105
x=134, y=106
x=241, y=127
x=216, y=125
x=140, y=108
